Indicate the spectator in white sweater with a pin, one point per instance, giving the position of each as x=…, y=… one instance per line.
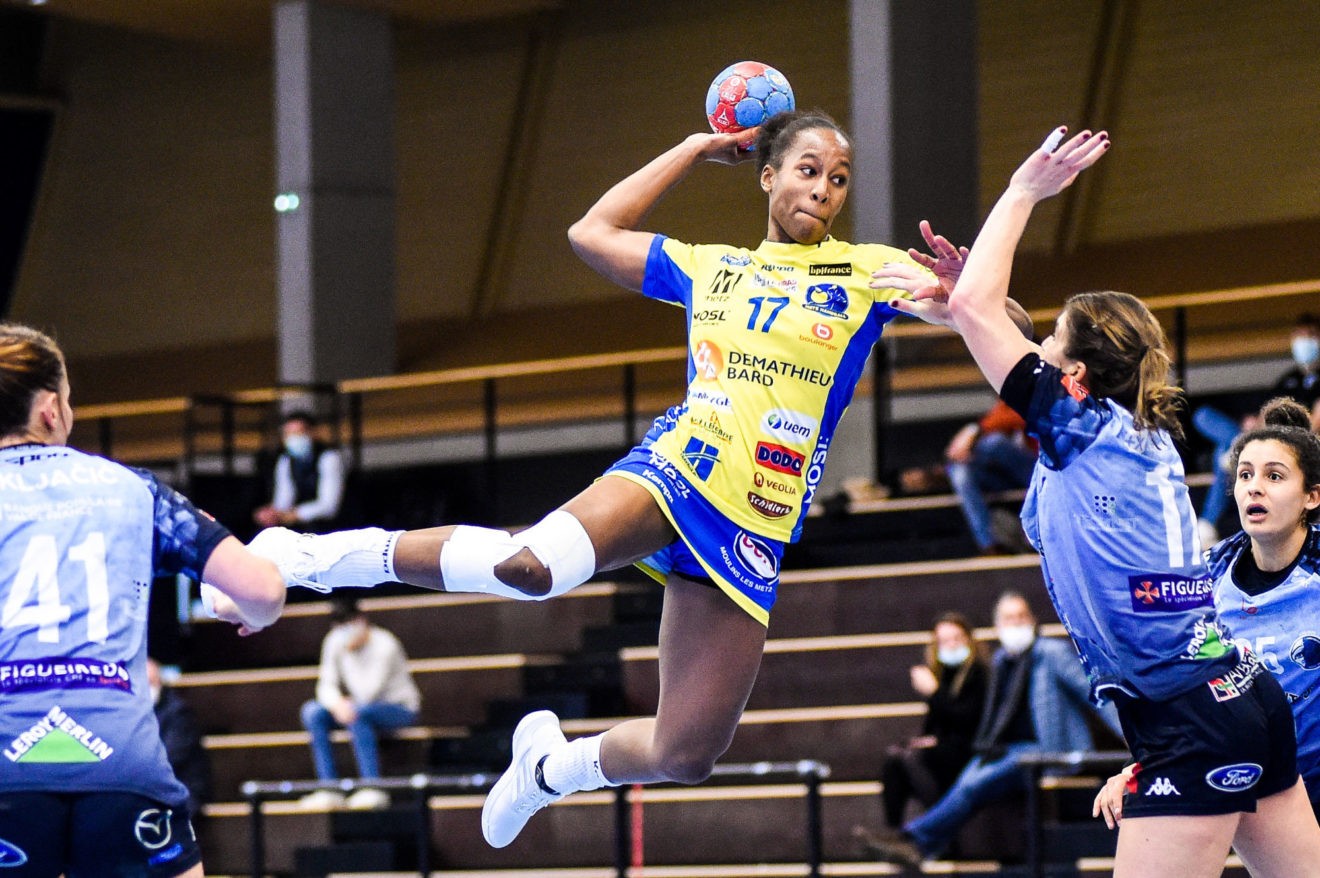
x=363, y=685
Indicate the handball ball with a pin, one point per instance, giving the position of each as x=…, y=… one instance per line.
x=745, y=94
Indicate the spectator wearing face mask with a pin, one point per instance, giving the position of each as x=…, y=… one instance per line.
x=952, y=682
x=309, y=479
x=1038, y=700
x=363, y=684
x=1300, y=383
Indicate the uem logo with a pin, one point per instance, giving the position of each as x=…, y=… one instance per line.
x=788, y=425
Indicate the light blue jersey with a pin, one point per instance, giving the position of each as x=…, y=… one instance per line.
x=1281, y=625
x=1109, y=512
x=81, y=539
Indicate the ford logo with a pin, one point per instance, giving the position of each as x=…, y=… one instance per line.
x=1234, y=778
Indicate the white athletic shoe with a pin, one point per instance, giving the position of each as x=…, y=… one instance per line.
x=521, y=792
x=321, y=800
x=310, y=560
x=368, y=799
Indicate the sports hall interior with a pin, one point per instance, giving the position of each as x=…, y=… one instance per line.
x=141, y=232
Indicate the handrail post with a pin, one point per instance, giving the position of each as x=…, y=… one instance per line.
x=622, y=831
x=103, y=432
x=227, y=429
x=1035, y=856
x=881, y=373
x=815, y=847
x=629, y=405
x=355, y=427
x=1180, y=345
x=258, y=838
x=423, y=825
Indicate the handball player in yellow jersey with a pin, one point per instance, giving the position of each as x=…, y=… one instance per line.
x=778, y=337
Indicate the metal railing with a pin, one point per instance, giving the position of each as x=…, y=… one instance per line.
x=808, y=771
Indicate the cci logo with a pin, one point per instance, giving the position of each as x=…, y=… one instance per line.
x=707, y=360
x=756, y=555
x=829, y=300
x=152, y=828
x=1233, y=778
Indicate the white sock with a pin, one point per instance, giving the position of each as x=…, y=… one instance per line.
x=575, y=766
x=369, y=561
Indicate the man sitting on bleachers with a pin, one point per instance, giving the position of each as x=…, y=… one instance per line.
x=363, y=684
x=1037, y=701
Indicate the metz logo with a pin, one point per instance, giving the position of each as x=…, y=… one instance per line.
x=1166, y=593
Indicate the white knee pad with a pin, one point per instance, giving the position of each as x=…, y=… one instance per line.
x=468, y=559
x=560, y=542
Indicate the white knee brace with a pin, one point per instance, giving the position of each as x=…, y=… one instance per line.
x=468, y=559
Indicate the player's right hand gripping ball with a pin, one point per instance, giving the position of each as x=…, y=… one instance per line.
x=745, y=94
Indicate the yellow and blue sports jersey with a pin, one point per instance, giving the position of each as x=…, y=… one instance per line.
x=777, y=338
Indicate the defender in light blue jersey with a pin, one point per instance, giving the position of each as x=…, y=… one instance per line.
x=85, y=787
x=1108, y=511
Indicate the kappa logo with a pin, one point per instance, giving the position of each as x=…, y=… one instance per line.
x=11, y=855
x=152, y=828
x=1162, y=787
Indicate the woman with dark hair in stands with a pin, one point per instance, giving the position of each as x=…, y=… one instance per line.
x=952, y=681
x=1265, y=575
x=1108, y=509
x=85, y=786
x=777, y=339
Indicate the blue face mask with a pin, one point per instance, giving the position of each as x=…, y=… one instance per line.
x=298, y=445
x=954, y=656
x=1305, y=350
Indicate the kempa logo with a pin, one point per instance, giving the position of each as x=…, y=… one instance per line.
x=1162, y=787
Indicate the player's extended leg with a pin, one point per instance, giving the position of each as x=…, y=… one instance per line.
x=1190, y=847
x=710, y=651
x=612, y=523
x=1281, y=838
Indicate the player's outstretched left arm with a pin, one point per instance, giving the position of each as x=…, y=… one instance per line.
x=249, y=589
x=608, y=237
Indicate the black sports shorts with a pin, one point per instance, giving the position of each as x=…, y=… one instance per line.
x=1214, y=750
x=92, y=835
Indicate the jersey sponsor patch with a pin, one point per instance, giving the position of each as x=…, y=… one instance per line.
x=58, y=672
x=1166, y=593
x=831, y=269
x=1075, y=390
x=58, y=738
x=788, y=425
x=708, y=360
x=755, y=556
x=701, y=457
x=780, y=459
x=1234, y=778
x=766, y=507
x=828, y=300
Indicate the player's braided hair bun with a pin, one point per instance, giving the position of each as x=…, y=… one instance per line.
x=777, y=133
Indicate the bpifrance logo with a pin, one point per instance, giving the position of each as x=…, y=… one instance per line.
x=1164, y=592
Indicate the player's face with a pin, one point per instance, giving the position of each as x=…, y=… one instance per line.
x=809, y=187
x=1053, y=349
x=1271, y=493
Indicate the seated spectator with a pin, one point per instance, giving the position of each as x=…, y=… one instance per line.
x=993, y=454
x=1038, y=700
x=182, y=739
x=1300, y=383
x=309, y=479
x=952, y=681
x=363, y=684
